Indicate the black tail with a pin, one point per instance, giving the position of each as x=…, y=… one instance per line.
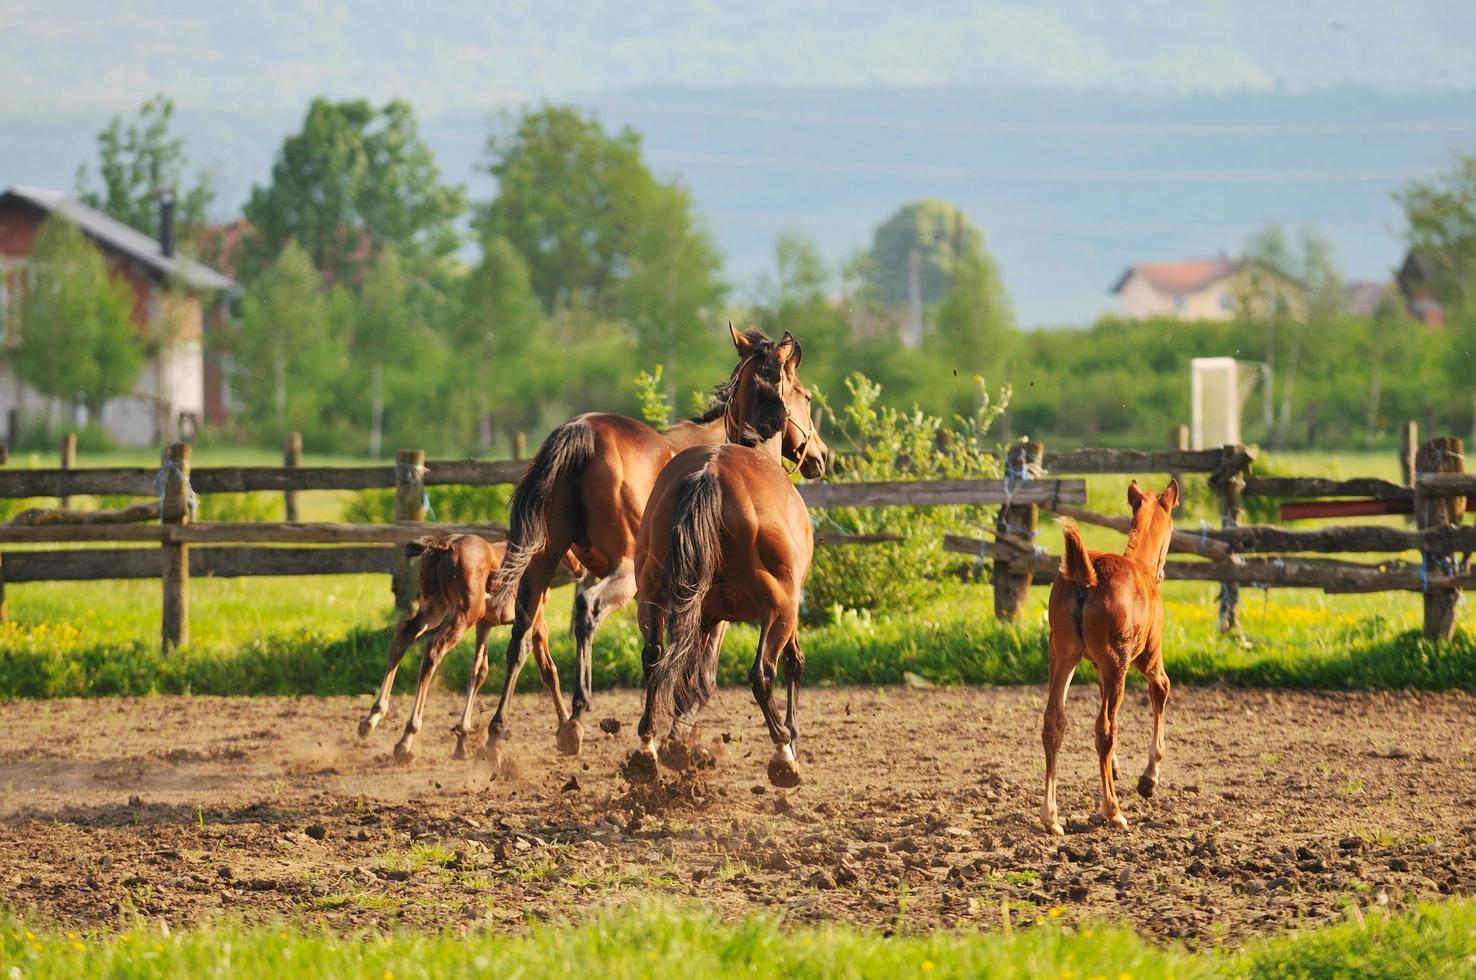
x=567, y=448
x=691, y=565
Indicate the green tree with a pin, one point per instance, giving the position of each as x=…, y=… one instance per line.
x=354, y=179
x=1441, y=218
x=138, y=159
x=386, y=338
x=937, y=232
x=795, y=298
x=78, y=342
x=601, y=233
x=974, y=326
x=283, y=350
x=496, y=329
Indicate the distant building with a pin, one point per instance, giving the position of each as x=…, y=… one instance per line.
x=1364, y=297
x=181, y=387
x=1192, y=289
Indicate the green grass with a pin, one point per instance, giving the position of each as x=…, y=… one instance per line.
x=659, y=939
x=329, y=635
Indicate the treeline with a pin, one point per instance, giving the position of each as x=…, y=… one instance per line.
x=383, y=306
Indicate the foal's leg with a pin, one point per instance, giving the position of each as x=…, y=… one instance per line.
x=641, y=766
x=550, y=675
x=478, y=676
x=407, y=632
x=532, y=594
x=443, y=640
x=783, y=770
x=1064, y=657
x=1112, y=674
x=1151, y=664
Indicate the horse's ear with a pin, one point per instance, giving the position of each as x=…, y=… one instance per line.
x=1135, y=495
x=1169, y=499
x=740, y=342
x=788, y=349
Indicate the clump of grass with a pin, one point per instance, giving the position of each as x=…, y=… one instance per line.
x=662, y=939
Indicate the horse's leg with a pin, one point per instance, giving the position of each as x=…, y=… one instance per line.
x=410, y=629
x=478, y=676
x=794, y=668
x=680, y=750
x=550, y=675
x=1112, y=673
x=591, y=607
x=532, y=594
x=1151, y=664
x=1064, y=656
x=777, y=634
x=641, y=766
x=435, y=650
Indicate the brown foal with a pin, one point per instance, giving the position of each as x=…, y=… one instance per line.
x=455, y=573
x=1107, y=608
x=727, y=537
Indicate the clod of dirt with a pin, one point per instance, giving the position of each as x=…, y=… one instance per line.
x=262, y=885
x=316, y=831
x=1077, y=891
x=821, y=880
x=225, y=872
x=759, y=790
x=776, y=861
x=572, y=786
x=610, y=726
x=135, y=801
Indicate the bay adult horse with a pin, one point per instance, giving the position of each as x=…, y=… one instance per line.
x=727, y=537
x=586, y=490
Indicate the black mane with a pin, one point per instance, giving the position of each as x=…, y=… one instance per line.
x=762, y=346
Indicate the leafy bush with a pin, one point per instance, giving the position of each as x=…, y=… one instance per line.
x=240, y=507
x=448, y=504
x=887, y=444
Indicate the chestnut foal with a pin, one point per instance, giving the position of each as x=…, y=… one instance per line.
x=1107, y=608
x=456, y=572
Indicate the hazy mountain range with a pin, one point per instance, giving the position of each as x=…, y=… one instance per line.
x=1080, y=137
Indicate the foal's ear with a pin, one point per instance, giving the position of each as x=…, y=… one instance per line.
x=1169, y=499
x=1135, y=495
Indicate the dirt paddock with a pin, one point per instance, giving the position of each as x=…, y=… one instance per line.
x=919, y=809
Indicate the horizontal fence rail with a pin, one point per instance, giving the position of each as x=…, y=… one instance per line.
x=928, y=493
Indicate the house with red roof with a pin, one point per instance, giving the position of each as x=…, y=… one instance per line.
x=1189, y=289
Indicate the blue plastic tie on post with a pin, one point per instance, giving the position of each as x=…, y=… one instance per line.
x=161, y=481
x=1204, y=533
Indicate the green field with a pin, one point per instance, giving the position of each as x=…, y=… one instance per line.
x=660, y=940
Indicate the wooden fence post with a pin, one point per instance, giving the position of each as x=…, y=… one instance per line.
x=68, y=462
x=410, y=504
x=1012, y=577
x=1179, y=439
x=1228, y=481
x=520, y=445
x=174, y=509
x=291, y=456
x=1409, y=444
x=2, y=589
x=1443, y=455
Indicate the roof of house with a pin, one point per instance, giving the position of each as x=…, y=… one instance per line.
x=1362, y=297
x=115, y=235
x=1179, y=277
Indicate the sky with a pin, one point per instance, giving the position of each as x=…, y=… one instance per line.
x=1147, y=130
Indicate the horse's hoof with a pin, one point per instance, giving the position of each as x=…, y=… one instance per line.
x=570, y=737
x=640, y=768
x=674, y=754
x=459, y=753
x=1146, y=787
x=783, y=772
x=1118, y=821
x=1054, y=827
x=403, y=753
x=365, y=727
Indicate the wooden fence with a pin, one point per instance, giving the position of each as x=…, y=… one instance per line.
x=187, y=549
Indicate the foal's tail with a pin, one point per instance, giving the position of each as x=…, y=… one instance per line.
x=1076, y=566
x=692, y=553
x=567, y=449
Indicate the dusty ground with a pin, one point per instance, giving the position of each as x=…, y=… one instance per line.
x=919, y=807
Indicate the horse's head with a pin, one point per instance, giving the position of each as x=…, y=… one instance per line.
x=768, y=399
x=1153, y=522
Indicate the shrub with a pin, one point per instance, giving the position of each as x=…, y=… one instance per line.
x=887, y=444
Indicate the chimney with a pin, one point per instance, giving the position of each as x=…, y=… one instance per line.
x=166, y=223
